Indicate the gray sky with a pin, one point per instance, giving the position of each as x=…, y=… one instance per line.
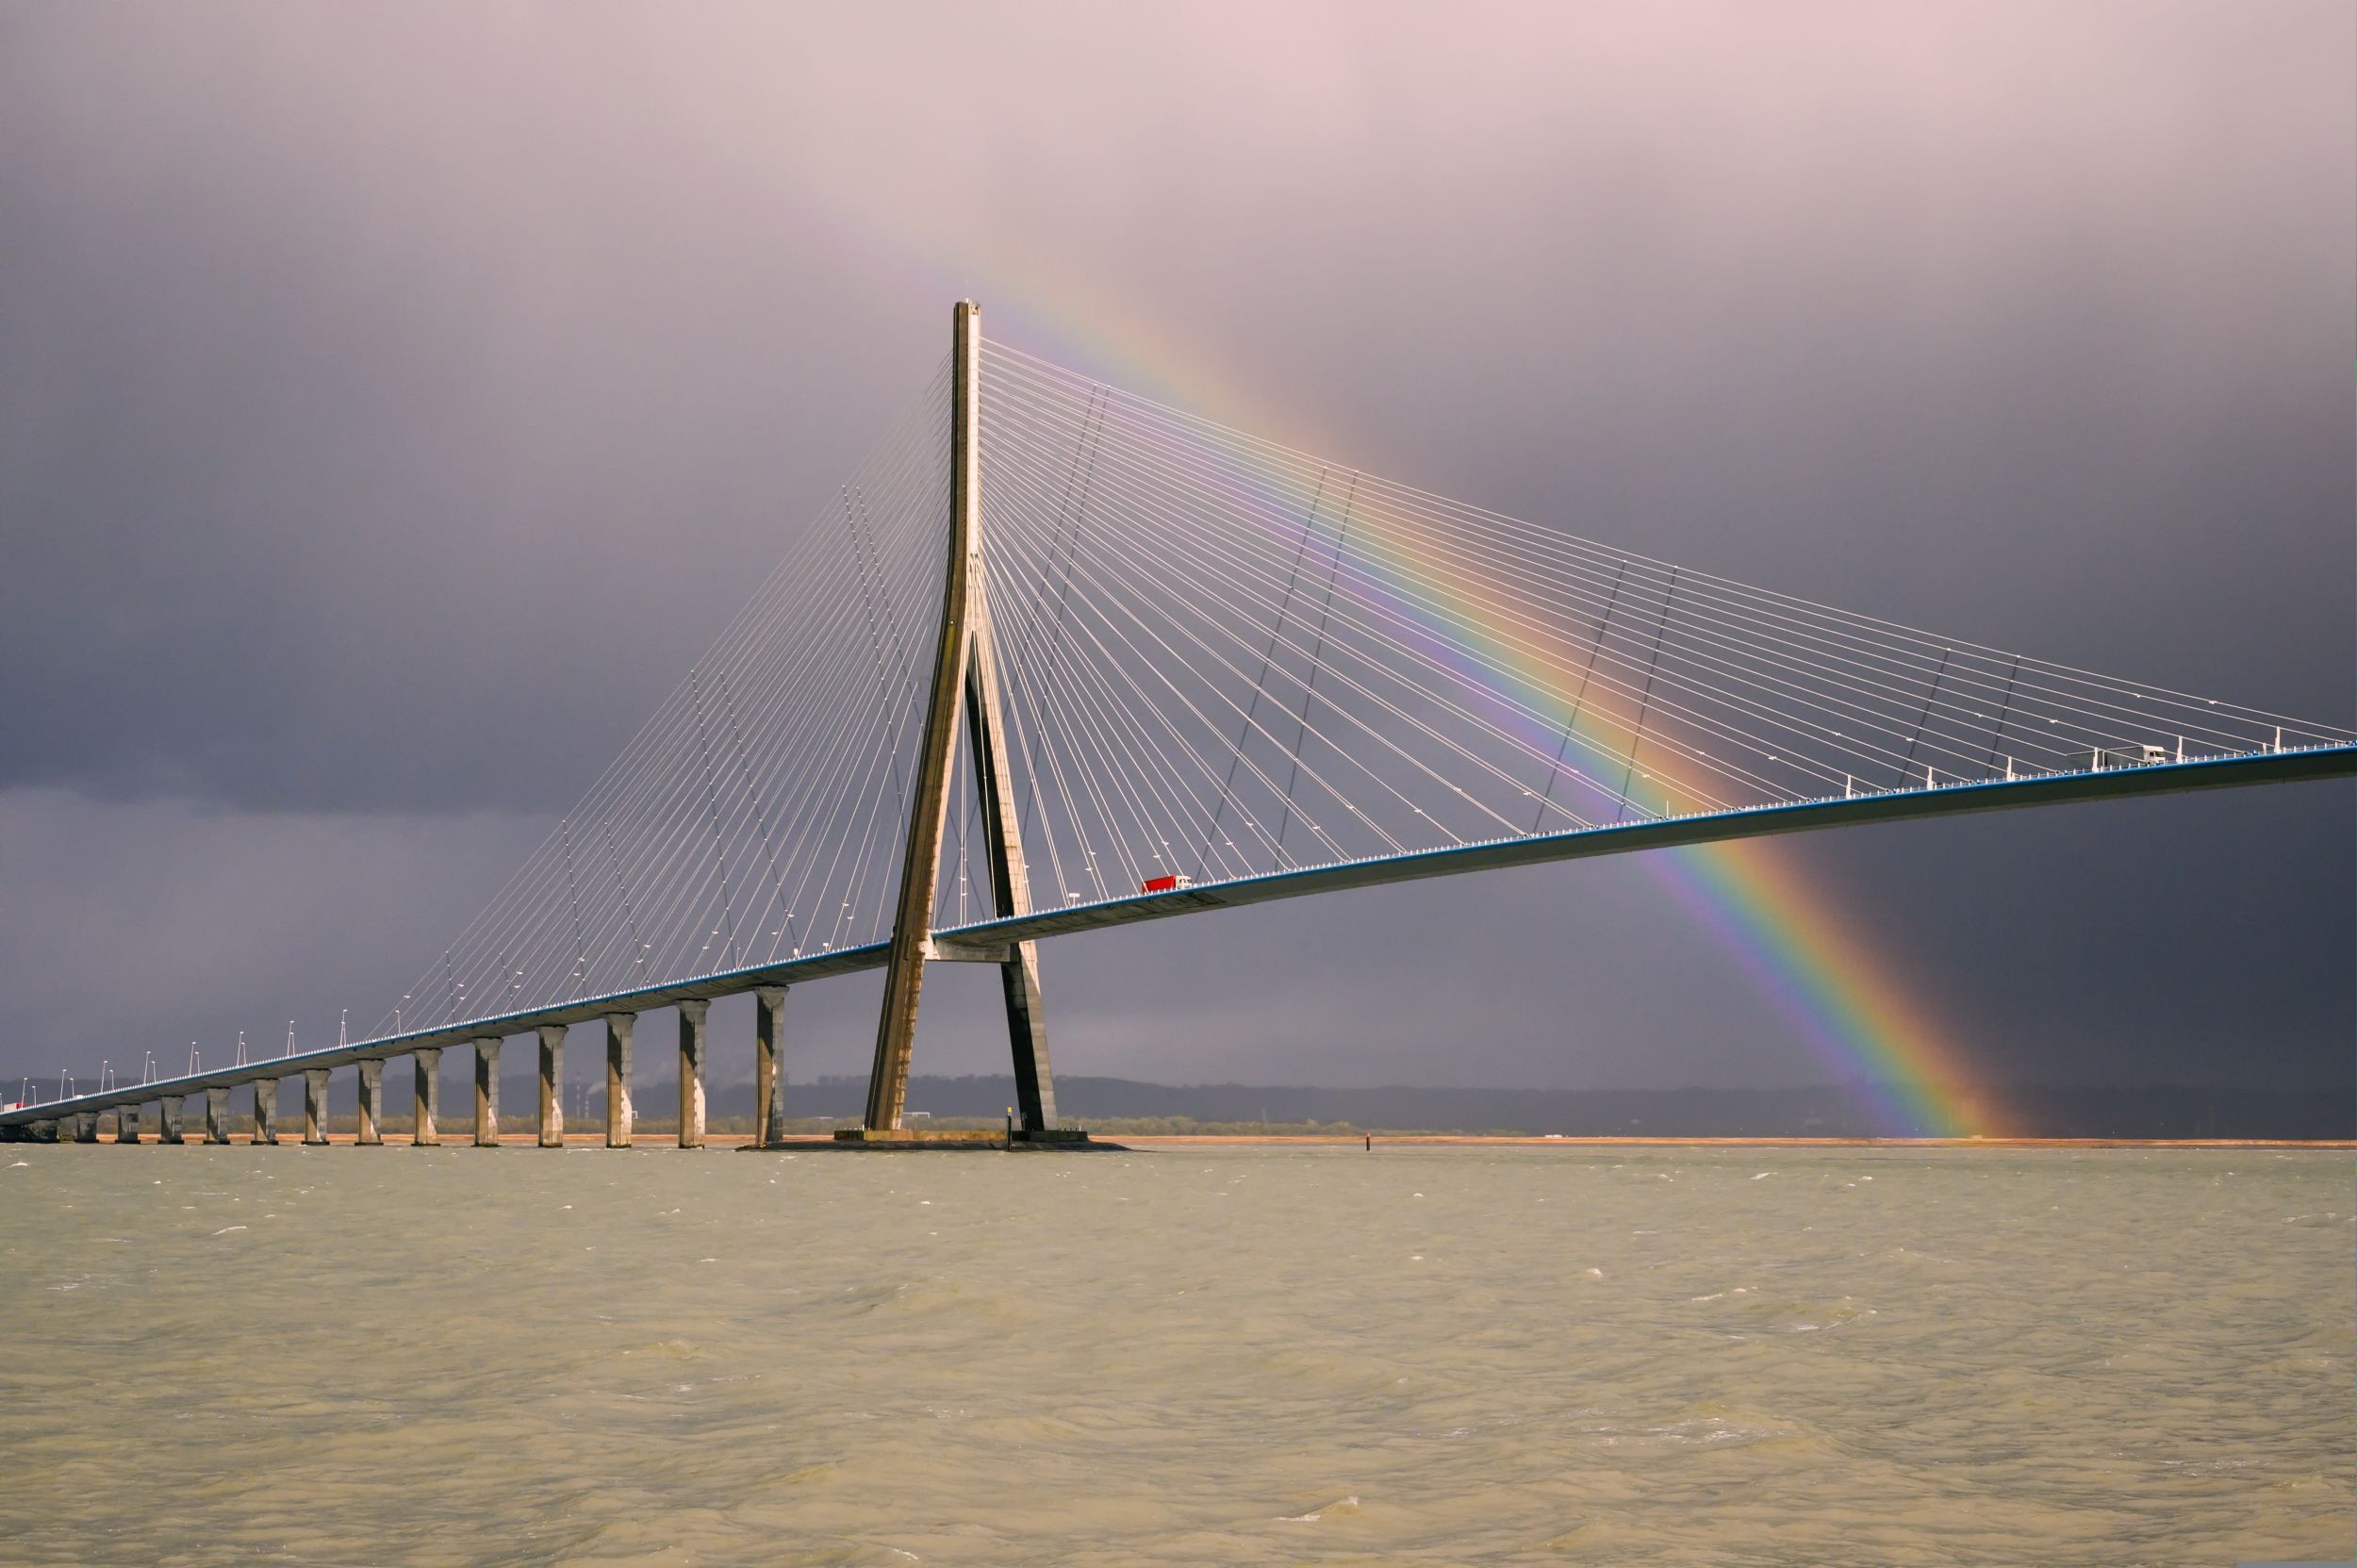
x=393, y=401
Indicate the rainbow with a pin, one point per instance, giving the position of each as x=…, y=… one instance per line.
x=1846, y=1003
x=1841, y=998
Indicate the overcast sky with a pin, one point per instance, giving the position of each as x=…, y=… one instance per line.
x=394, y=400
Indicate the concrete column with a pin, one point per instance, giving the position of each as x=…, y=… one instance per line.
x=85, y=1127
x=168, y=1120
x=928, y=805
x=617, y=1031
x=551, y=1086
x=486, y=1092
x=691, y=1072
x=427, y=1062
x=768, y=1082
x=371, y=1102
x=217, y=1115
x=127, y=1124
x=265, y=1110
x=315, y=1106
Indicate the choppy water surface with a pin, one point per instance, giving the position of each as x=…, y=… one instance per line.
x=1232, y=1355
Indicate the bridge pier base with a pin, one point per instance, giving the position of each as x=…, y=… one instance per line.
x=265, y=1110
x=427, y=1065
x=768, y=1082
x=314, y=1105
x=372, y=1103
x=85, y=1127
x=486, y=1092
x=168, y=1125
x=217, y=1115
x=127, y=1124
x=693, y=1011
x=551, y=1086
x=617, y=1031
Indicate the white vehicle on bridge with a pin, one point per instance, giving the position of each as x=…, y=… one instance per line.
x=2098, y=759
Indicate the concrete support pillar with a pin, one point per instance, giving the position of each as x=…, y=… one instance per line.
x=428, y=1064
x=692, y=1032
x=768, y=1082
x=371, y=1102
x=551, y=1086
x=315, y=1106
x=928, y=806
x=486, y=1092
x=85, y=1127
x=168, y=1120
x=265, y=1110
x=127, y=1124
x=964, y=679
x=217, y=1115
x=617, y=1031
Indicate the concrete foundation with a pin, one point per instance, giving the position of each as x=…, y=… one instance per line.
x=371, y=1102
x=486, y=1092
x=127, y=1124
x=314, y=1105
x=768, y=1082
x=1068, y=1138
x=85, y=1127
x=217, y=1115
x=692, y=1035
x=168, y=1120
x=617, y=1031
x=265, y=1110
x=428, y=1064
x=551, y=1086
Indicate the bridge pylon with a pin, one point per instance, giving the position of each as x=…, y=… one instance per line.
x=964, y=684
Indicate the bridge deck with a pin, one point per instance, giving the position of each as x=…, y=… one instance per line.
x=982, y=939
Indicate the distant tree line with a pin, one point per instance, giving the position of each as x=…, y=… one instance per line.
x=1126, y=1105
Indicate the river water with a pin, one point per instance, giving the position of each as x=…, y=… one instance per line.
x=1228, y=1355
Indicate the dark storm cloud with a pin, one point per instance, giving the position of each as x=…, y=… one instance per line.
x=393, y=401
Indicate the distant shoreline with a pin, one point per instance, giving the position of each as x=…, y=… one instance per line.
x=1548, y=1140
x=662, y=1138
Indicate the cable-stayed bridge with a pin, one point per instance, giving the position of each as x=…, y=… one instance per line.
x=1057, y=657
